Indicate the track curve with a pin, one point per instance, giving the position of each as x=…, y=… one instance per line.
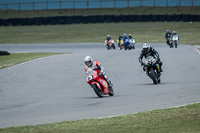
x=54, y=89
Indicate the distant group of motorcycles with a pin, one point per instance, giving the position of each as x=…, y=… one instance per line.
x=125, y=42
x=172, y=39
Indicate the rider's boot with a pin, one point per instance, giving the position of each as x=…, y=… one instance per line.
x=161, y=70
x=108, y=81
x=109, y=84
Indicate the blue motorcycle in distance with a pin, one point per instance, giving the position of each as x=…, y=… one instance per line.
x=126, y=44
x=129, y=44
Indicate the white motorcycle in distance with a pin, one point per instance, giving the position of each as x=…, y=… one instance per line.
x=175, y=41
x=132, y=43
x=110, y=44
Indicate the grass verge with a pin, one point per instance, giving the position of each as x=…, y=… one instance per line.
x=87, y=33
x=16, y=58
x=174, y=120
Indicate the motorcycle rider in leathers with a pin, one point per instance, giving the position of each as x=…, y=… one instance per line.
x=168, y=37
x=96, y=66
x=150, y=51
x=119, y=38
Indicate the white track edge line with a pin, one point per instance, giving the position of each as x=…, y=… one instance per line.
x=145, y=111
x=197, y=50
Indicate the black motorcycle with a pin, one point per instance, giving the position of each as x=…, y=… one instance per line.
x=150, y=65
x=169, y=42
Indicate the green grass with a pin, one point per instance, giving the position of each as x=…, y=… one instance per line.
x=104, y=11
x=16, y=58
x=96, y=33
x=174, y=120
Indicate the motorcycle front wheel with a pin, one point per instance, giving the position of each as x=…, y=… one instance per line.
x=97, y=91
x=111, y=92
x=175, y=43
x=153, y=77
x=113, y=45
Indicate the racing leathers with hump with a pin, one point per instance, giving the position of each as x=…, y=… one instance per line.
x=96, y=66
x=150, y=51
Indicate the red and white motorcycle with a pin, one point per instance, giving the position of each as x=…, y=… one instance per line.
x=110, y=44
x=99, y=85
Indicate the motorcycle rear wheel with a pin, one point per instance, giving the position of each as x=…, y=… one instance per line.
x=97, y=91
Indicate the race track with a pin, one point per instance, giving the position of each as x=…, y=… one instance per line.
x=54, y=88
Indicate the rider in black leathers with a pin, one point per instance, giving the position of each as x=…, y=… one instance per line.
x=149, y=51
x=168, y=37
x=120, y=38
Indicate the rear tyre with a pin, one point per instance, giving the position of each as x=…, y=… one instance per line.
x=97, y=91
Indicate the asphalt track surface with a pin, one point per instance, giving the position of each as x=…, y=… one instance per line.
x=54, y=88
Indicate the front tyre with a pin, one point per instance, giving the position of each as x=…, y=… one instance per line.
x=153, y=77
x=111, y=92
x=175, y=43
x=97, y=91
x=113, y=45
x=133, y=47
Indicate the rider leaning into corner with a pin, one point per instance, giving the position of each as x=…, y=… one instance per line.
x=150, y=51
x=96, y=66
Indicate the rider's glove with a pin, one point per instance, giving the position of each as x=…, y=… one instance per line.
x=100, y=74
x=142, y=64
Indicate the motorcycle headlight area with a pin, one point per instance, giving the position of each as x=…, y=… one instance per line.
x=90, y=77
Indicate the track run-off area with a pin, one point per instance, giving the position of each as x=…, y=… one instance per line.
x=54, y=88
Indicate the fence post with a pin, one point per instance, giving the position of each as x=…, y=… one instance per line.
x=47, y=5
x=6, y=8
x=60, y=5
x=141, y=2
x=154, y=3
x=74, y=5
x=87, y=4
x=192, y=2
x=167, y=3
x=19, y=7
x=114, y=3
x=128, y=4
x=33, y=5
x=101, y=4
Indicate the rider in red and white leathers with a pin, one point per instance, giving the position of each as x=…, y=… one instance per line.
x=96, y=66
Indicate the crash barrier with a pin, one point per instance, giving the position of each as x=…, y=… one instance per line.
x=4, y=53
x=97, y=19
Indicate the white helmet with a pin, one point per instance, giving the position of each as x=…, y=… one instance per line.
x=146, y=47
x=88, y=61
